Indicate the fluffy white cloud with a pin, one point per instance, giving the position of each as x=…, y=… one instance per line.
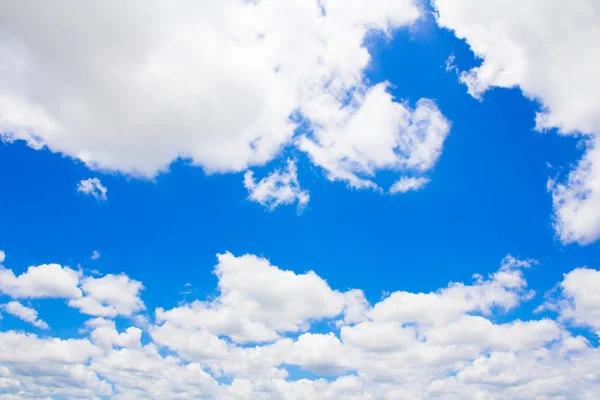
x=109, y=296
x=224, y=83
x=104, y=333
x=446, y=343
x=94, y=187
x=406, y=184
x=25, y=313
x=257, y=301
x=47, y=280
x=549, y=50
x=105, y=296
x=49, y=367
x=578, y=299
x=2, y=256
x=375, y=133
x=279, y=187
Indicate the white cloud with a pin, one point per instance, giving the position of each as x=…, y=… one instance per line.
x=109, y=296
x=104, y=333
x=258, y=301
x=95, y=255
x=94, y=187
x=577, y=201
x=49, y=367
x=2, y=256
x=27, y=314
x=218, y=82
x=406, y=184
x=47, y=280
x=446, y=343
x=549, y=50
x=375, y=133
x=278, y=188
x=105, y=296
x=578, y=299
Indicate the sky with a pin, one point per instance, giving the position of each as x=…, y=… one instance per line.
x=300, y=199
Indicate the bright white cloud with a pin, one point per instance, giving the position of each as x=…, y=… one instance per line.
x=278, y=188
x=375, y=133
x=94, y=187
x=47, y=280
x=578, y=299
x=441, y=344
x=2, y=256
x=406, y=184
x=105, y=296
x=549, y=50
x=27, y=314
x=221, y=82
x=109, y=296
x=257, y=301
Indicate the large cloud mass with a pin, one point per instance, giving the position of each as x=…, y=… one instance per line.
x=458, y=342
x=550, y=50
x=224, y=83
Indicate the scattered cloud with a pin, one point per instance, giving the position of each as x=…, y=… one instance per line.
x=169, y=85
x=94, y=187
x=405, y=184
x=105, y=296
x=2, y=256
x=27, y=314
x=507, y=37
x=456, y=342
x=278, y=188
x=95, y=255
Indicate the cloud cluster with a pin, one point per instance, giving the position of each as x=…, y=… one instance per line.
x=223, y=83
x=549, y=50
x=110, y=295
x=277, y=188
x=455, y=343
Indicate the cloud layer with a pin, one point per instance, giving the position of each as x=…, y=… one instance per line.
x=223, y=83
x=455, y=343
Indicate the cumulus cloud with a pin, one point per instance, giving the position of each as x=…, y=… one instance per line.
x=109, y=296
x=448, y=343
x=2, y=256
x=47, y=280
x=406, y=184
x=375, y=133
x=25, y=313
x=578, y=298
x=521, y=47
x=279, y=187
x=95, y=255
x=94, y=187
x=257, y=301
x=223, y=83
x=106, y=296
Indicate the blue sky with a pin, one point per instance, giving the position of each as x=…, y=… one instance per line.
x=488, y=196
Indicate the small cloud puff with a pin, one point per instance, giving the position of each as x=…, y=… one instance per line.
x=94, y=187
x=405, y=184
x=280, y=187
